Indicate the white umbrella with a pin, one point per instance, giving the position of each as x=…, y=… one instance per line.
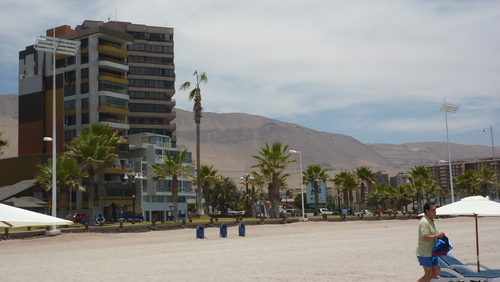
x=16, y=217
x=474, y=206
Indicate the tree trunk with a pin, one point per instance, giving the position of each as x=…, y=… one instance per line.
x=316, y=198
x=253, y=201
x=175, y=198
x=90, y=193
x=207, y=202
x=101, y=188
x=197, y=118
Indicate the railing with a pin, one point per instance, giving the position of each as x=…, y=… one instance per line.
x=152, y=74
x=151, y=62
x=112, y=120
x=152, y=123
x=112, y=75
x=153, y=99
x=112, y=60
x=114, y=90
x=113, y=106
x=118, y=46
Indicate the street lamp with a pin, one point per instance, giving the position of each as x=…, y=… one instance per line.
x=247, y=177
x=301, y=184
x=65, y=47
x=494, y=161
x=133, y=177
x=449, y=108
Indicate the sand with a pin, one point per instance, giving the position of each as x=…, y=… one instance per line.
x=311, y=251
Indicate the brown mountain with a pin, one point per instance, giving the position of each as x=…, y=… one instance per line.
x=228, y=142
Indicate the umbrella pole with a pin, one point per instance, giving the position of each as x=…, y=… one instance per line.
x=477, y=244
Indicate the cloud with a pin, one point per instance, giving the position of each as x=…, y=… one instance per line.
x=366, y=67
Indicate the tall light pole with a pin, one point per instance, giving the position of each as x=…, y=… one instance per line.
x=449, y=108
x=494, y=161
x=301, y=184
x=65, y=47
x=133, y=177
x=247, y=177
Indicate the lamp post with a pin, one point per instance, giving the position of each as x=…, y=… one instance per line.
x=247, y=177
x=449, y=108
x=301, y=184
x=65, y=47
x=133, y=177
x=494, y=161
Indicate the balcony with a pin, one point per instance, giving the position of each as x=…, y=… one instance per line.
x=113, y=108
x=113, y=78
x=112, y=50
x=112, y=64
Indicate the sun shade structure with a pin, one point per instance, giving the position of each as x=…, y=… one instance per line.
x=472, y=206
x=15, y=217
x=449, y=108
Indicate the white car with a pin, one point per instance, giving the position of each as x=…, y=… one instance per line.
x=324, y=211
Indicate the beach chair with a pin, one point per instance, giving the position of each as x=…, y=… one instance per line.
x=450, y=260
x=448, y=270
x=449, y=275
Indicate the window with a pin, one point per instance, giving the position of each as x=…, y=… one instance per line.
x=85, y=103
x=84, y=43
x=103, y=100
x=151, y=83
x=69, y=105
x=152, y=60
x=70, y=60
x=84, y=73
x=112, y=86
x=85, y=118
x=70, y=120
x=84, y=58
x=151, y=71
x=69, y=135
x=149, y=108
x=84, y=88
x=151, y=48
x=70, y=76
x=148, y=95
x=60, y=63
x=69, y=90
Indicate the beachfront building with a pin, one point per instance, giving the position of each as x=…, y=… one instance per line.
x=156, y=196
x=122, y=75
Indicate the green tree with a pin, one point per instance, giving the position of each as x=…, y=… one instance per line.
x=485, y=178
x=466, y=182
x=195, y=94
x=380, y=195
x=224, y=193
x=364, y=175
x=346, y=183
x=272, y=161
x=68, y=174
x=314, y=174
x=93, y=148
x=420, y=179
x=173, y=166
x=208, y=179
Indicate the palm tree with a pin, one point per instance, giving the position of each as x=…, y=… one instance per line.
x=223, y=194
x=68, y=174
x=314, y=174
x=173, y=165
x=466, y=182
x=272, y=160
x=208, y=179
x=485, y=178
x=380, y=195
x=364, y=175
x=259, y=181
x=197, y=109
x=94, y=148
x=346, y=183
x=419, y=178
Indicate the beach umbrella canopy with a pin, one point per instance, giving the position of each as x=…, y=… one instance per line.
x=16, y=217
x=473, y=206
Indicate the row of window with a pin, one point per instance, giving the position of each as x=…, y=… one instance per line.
x=151, y=48
x=151, y=83
x=70, y=90
x=148, y=95
x=152, y=36
x=151, y=71
x=70, y=105
x=113, y=100
x=149, y=108
x=151, y=60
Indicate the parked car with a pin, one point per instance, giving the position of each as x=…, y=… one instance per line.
x=245, y=213
x=366, y=212
x=77, y=216
x=325, y=211
x=126, y=216
x=233, y=213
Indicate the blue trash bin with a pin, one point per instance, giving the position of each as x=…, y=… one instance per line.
x=223, y=230
x=200, y=232
x=241, y=229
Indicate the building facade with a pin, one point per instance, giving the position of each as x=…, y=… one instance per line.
x=123, y=75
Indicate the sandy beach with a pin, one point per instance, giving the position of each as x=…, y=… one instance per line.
x=312, y=251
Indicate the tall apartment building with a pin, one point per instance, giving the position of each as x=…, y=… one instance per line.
x=123, y=75
x=441, y=172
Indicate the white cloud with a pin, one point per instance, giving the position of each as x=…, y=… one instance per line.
x=358, y=61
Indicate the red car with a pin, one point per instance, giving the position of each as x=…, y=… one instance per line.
x=77, y=216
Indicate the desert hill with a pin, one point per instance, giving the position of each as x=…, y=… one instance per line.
x=229, y=140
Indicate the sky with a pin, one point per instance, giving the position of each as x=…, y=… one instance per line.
x=378, y=71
